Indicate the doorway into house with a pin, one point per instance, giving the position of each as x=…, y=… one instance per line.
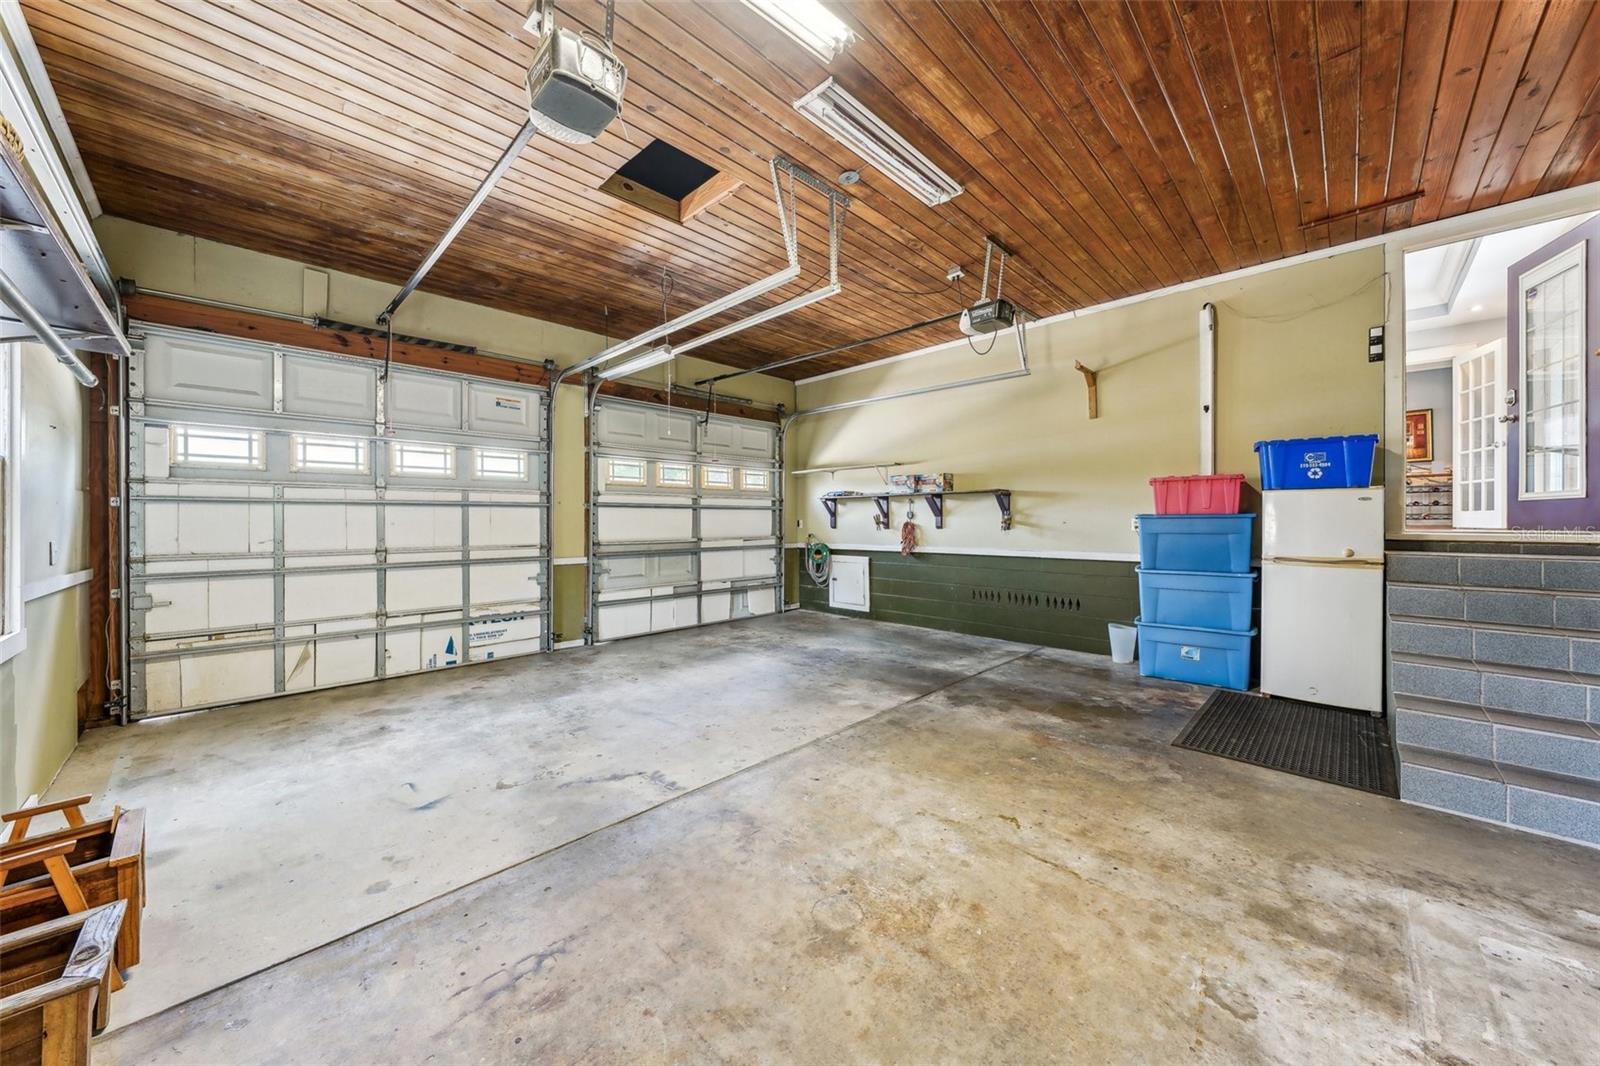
x=1502, y=424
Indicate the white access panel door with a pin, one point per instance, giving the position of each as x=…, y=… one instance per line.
x=1322, y=633
x=1322, y=524
x=848, y=583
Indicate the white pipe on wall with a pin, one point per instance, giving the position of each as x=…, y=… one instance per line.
x=1208, y=388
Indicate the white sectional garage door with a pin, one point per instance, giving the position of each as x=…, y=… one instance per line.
x=683, y=519
x=295, y=522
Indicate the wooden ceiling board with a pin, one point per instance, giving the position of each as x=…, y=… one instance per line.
x=1117, y=147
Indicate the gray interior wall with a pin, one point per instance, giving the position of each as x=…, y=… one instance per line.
x=1430, y=389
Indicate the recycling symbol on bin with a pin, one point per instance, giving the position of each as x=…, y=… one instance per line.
x=1314, y=473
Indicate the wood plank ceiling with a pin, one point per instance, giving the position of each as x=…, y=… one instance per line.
x=1116, y=147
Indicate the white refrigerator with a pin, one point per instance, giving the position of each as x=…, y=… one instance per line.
x=1322, y=596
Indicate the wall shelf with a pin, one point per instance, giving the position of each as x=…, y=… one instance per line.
x=1002, y=499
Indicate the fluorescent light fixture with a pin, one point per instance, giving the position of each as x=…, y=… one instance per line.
x=847, y=120
x=813, y=27
x=654, y=357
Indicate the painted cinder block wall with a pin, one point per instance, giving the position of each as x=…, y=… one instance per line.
x=1291, y=362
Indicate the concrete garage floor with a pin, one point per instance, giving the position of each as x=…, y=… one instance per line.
x=1005, y=860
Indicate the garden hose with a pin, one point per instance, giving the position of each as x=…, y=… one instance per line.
x=818, y=561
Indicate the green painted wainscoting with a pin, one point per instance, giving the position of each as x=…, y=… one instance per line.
x=1063, y=603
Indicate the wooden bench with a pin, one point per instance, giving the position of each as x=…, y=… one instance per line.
x=55, y=987
x=70, y=870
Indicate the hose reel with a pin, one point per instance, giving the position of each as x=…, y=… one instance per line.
x=819, y=561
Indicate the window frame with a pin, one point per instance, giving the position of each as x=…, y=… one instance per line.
x=688, y=475
x=299, y=465
x=478, y=473
x=396, y=447
x=176, y=431
x=1560, y=263
x=733, y=480
x=744, y=479
x=610, y=477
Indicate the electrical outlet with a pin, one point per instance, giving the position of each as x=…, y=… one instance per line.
x=799, y=523
x=1135, y=523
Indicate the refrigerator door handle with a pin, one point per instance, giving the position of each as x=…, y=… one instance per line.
x=1312, y=560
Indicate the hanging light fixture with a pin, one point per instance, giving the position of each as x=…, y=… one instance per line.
x=654, y=357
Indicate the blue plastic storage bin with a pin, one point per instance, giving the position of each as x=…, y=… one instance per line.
x=1216, y=657
x=1317, y=462
x=1186, y=598
x=1215, y=543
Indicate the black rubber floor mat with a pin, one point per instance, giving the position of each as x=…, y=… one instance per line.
x=1349, y=748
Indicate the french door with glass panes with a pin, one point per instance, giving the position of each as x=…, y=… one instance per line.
x=1551, y=316
x=1478, y=387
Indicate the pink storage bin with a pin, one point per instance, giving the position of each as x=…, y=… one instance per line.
x=1198, y=494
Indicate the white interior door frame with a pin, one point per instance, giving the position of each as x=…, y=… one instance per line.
x=1478, y=435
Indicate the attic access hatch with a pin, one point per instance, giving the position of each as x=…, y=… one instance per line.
x=671, y=183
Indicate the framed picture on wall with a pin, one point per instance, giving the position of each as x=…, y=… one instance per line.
x=1419, y=436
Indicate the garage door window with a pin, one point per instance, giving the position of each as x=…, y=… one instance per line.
x=756, y=480
x=218, y=446
x=716, y=477
x=414, y=459
x=499, y=464
x=625, y=471
x=346, y=455
x=673, y=475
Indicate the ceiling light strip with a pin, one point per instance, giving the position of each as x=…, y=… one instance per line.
x=849, y=121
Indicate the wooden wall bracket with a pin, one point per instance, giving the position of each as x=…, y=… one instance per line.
x=1094, y=395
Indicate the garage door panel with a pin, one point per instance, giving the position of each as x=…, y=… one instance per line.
x=329, y=389
x=417, y=526
x=727, y=523
x=227, y=677
x=504, y=527
x=500, y=583
x=314, y=527
x=207, y=374
x=731, y=529
x=307, y=553
x=307, y=597
x=424, y=400
x=503, y=411
x=644, y=525
x=424, y=588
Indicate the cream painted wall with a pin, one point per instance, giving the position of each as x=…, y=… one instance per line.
x=175, y=262
x=1291, y=362
x=39, y=687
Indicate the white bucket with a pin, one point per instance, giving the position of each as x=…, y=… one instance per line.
x=1123, y=640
